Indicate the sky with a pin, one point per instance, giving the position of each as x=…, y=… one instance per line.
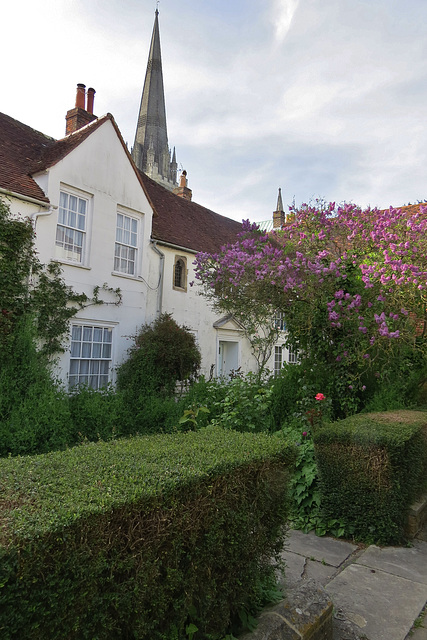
x=325, y=99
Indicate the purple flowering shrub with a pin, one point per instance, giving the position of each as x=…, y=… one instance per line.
x=350, y=282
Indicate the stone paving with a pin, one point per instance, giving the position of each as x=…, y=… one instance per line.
x=377, y=593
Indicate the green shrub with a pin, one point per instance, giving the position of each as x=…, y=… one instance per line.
x=98, y=414
x=371, y=468
x=163, y=354
x=286, y=392
x=242, y=403
x=140, y=538
x=34, y=413
x=246, y=405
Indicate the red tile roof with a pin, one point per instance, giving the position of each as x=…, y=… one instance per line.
x=20, y=147
x=24, y=152
x=185, y=223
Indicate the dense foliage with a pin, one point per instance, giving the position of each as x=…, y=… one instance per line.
x=163, y=354
x=351, y=284
x=143, y=537
x=372, y=467
x=30, y=289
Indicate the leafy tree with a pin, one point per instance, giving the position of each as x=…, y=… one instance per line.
x=30, y=289
x=350, y=282
x=163, y=354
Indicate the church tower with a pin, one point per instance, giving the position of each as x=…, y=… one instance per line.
x=279, y=216
x=151, y=152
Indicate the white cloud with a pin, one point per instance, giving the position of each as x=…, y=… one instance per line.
x=283, y=12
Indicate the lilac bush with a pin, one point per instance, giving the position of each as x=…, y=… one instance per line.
x=351, y=283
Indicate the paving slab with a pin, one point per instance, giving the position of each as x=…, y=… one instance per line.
x=294, y=569
x=419, y=634
x=406, y=562
x=299, y=568
x=328, y=550
x=321, y=573
x=384, y=606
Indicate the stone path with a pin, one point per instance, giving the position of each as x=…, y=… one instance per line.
x=377, y=593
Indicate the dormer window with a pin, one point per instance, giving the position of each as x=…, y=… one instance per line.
x=180, y=273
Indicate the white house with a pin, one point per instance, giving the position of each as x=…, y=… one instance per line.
x=97, y=212
x=91, y=214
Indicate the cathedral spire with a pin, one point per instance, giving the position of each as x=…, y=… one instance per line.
x=279, y=216
x=151, y=150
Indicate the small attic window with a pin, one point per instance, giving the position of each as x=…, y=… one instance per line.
x=180, y=273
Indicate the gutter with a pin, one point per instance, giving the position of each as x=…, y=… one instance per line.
x=19, y=196
x=161, y=255
x=37, y=214
x=175, y=246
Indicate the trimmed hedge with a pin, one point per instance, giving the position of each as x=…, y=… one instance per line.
x=371, y=468
x=135, y=539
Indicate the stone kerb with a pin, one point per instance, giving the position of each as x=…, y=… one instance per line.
x=306, y=614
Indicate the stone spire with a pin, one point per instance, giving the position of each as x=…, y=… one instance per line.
x=279, y=216
x=151, y=151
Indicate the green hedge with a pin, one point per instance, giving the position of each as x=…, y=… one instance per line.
x=371, y=468
x=137, y=538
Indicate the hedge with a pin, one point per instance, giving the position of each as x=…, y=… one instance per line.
x=371, y=468
x=138, y=538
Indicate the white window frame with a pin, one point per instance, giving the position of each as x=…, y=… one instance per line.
x=292, y=356
x=279, y=321
x=278, y=359
x=125, y=244
x=91, y=354
x=72, y=225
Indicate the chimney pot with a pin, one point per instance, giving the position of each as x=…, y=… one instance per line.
x=80, y=96
x=90, y=98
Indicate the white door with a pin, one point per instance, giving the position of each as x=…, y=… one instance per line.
x=228, y=357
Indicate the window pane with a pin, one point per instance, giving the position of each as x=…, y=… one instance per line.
x=108, y=334
x=75, y=349
x=84, y=367
x=106, y=351
x=94, y=366
x=74, y=366
x=76, y=332
x=103, y=381
x=63, y=200
x=103, y=367
x=86, y=350
x=87, y=333
x=96, y=351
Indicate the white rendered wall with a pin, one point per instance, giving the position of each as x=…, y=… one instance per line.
x=100, y=170
x=191, y=309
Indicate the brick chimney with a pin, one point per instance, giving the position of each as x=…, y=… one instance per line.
x=79, y=117
x=183, y=191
